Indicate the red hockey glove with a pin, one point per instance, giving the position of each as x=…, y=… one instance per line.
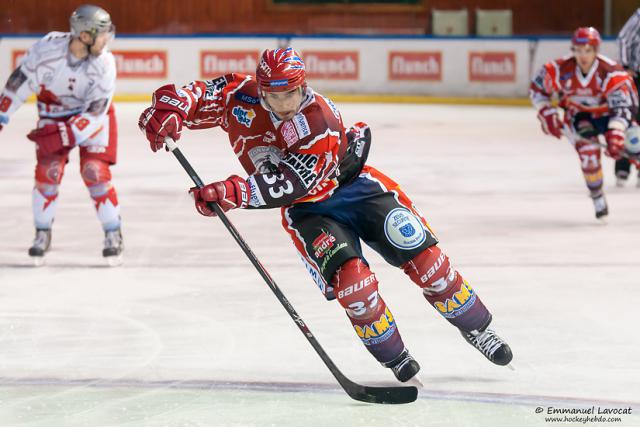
x=550, y=121
x=53, y=138
x=164, y=117
x=231, y=193
x=615, y=143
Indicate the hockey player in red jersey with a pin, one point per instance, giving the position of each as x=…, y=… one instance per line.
x=597, y=97
x=73, y=76
x=299, y=157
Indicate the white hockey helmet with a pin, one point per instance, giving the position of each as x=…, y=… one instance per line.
x=91, y=19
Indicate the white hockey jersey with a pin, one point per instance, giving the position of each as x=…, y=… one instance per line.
x=66, y=87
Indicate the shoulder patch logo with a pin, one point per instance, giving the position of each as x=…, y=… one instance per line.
x=243, y=116
x=243, y=97
x=289, y=134
x=302, y=125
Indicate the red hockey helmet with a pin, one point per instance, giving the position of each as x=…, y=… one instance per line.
x=280, y=70
x=586, y=35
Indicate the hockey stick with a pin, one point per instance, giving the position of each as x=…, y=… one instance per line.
x=567, y=132
x=400, y=394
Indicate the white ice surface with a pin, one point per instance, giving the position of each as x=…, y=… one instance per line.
x=186, y=332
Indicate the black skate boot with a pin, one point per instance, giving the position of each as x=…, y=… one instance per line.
x=490, y=345
x=40, y=246
x=113, y=247
x=404, y=366
x=600, y=205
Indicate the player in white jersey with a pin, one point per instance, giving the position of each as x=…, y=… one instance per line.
x=73, y=76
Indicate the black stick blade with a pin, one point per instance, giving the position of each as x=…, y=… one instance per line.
x=388, y=395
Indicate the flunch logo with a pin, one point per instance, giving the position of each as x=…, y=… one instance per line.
x=331, y=65
x=216, y=62
x=322, y=243
x=141, y=64
x=378, y=331
x=415, y=66
x=459, y=303
x=492, y=66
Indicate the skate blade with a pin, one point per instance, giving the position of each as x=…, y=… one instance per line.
x=38, y=261
x=510, y=366
x=603, y=220
x=114, y=261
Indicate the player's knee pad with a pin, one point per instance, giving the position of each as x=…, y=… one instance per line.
x=432, y=271
x=95, y=172
x=446, y=290
x=356, y=289
x=50, y=171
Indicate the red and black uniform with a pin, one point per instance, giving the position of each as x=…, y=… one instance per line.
x=602, y=100
x=314, y=170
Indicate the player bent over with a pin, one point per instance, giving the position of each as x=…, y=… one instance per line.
x=299, y=157
x=597, y=97
x=73, y=75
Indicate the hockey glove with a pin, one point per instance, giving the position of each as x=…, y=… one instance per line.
x=550, y=121
x=231, y=193
x=164, y=117
x=5, y=103
x=53, y=138
x=615, y=143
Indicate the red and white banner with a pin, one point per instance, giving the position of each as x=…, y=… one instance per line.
x=332, y=65
x=214, y=63
x=492, y=67
x=141, y=64
x=415, y=66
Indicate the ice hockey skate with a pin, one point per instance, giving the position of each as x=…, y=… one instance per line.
x=113, y=247
x=40, y=246
x=600, y=205
x=404, y=367
x=490, y=345
x=621, y=179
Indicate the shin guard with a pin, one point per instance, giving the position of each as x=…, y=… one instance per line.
x=356, y=288
x=591, y=166
x=446, y=290
x=97, y=177
x=44, y=197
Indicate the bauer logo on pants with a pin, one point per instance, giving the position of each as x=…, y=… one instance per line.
x=403, y=230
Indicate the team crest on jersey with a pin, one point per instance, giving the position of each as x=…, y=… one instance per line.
x=243, y=116
x=403, y=229
x=265, y=159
